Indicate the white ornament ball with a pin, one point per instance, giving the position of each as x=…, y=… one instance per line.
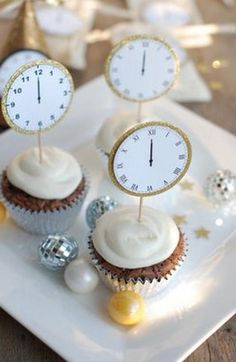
x=80, y=276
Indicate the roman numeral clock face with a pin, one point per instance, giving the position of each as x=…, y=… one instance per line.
x=141, y=68
x=150, y=158
x=37, y=96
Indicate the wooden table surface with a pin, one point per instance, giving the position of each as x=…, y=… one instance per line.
x=19, y=345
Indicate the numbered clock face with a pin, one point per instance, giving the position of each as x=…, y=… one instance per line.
x=14, y=61
x=150, y=158
x=141, y=68
x=37, y=96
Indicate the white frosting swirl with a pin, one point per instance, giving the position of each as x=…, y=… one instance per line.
x=55, y=178
x=114, y=126
x=126, y=243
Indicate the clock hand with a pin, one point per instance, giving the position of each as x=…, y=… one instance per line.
x=151, y=154
x=144, y=61
x=38, y=86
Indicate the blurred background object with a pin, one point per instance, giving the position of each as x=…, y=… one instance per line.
x=65, y=24
x=25, y=43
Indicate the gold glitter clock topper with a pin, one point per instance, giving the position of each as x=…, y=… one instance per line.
x=127, y=42
x=146, y=147
x=46, y=109
x=142, y=44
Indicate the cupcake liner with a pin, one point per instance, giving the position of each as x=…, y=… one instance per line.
x=147, y=287
x=46, y=222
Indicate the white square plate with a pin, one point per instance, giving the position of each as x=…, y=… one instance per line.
x=197, y=301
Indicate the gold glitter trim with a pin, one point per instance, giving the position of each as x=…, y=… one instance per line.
x=130, y=132
x=124, y=42
x=18, y=73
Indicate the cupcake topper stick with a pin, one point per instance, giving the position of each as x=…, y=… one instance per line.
x=140, y=208
x=37, y=97
x=141, y=68
x=40, y=147
x=149, y=159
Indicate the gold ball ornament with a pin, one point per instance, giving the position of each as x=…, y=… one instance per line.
x=3, y=213
x=126, y=308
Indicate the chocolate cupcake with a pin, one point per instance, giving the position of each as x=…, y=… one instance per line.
x=44, y=197
x=138, y=256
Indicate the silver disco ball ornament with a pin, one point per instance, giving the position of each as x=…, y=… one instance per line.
x=56, y=251
x=220, y=187
x=97, y=208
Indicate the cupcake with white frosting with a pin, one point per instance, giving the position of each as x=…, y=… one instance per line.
x=133, y=255
x=44, y=197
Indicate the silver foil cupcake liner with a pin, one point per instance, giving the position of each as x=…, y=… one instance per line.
x=147, y=287
x=46, y=222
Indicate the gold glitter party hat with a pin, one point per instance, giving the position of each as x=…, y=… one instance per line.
x=25, y=32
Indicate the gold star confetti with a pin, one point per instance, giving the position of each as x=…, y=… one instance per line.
x=186, y=185
x=180, y=219
x=202, y=233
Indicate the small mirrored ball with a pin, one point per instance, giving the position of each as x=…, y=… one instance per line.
x=56, y=251
x=126, y=307
x=220, y=187
x=80, y=276
x=97, y=208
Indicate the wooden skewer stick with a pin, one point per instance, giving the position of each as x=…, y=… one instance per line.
x=140, y=209
x=40, y=147
x=139, y=112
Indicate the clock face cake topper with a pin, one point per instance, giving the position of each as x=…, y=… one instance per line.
x=150, y=158
x=14, y=61
x=141, y=68
x=37, y=96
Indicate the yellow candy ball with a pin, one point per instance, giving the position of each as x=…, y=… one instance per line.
x=3, y=212
x=126, y=307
